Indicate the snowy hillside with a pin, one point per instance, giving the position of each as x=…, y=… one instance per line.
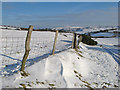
x=9, y=27
x=96, y=69
x=83, y=30
x=86, y=67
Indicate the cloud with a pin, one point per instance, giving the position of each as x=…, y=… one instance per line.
x=93, y=17
x=7, y=6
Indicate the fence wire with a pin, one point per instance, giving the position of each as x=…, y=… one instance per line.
x=13, y=48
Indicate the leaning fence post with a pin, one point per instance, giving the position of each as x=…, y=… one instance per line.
x=74, y=42
x=27, y=48
x=54, y=46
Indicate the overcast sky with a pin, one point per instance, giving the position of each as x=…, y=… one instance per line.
x=51, y=14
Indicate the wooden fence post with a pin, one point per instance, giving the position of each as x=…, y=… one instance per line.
x=27, y=48
x=54, y=46
x=80, y=39
x=89, y=34
x=74, y=42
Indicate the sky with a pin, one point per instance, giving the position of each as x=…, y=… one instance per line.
x=60, y=0
x=59, y=14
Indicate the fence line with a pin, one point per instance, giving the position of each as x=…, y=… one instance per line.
x=13, y=47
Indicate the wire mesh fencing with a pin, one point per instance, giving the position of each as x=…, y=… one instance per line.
x=13, y=48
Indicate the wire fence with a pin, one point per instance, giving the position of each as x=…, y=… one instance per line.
x=13, y=48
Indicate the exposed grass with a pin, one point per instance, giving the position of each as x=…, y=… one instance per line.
x=42, y=83
x=104, y=87
x=51, y=84
x=78, y=52
x=89, y=87
x=23, y=85
x=106, y=83
x=115, y=86
x=25, y=74
x=17, y=52
x=78, y=75
x=29, y=85
x=37, y=82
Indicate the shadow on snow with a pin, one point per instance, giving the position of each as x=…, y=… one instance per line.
x=11, y=69
x=110, y=50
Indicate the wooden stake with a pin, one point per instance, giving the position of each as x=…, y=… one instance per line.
x=80, y=39
x=74, y=41
x=27, y=47
x=54, y=46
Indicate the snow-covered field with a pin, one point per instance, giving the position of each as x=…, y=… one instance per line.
x=13, y=48
x=103, y=34
x=88, y=67
x=88, y=30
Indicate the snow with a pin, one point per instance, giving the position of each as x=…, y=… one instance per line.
x=0, y=26
x=111, y=45
x=103, y=34
x=13, y=44
x=59, y=70
x=83, y=31
x=89, y=67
